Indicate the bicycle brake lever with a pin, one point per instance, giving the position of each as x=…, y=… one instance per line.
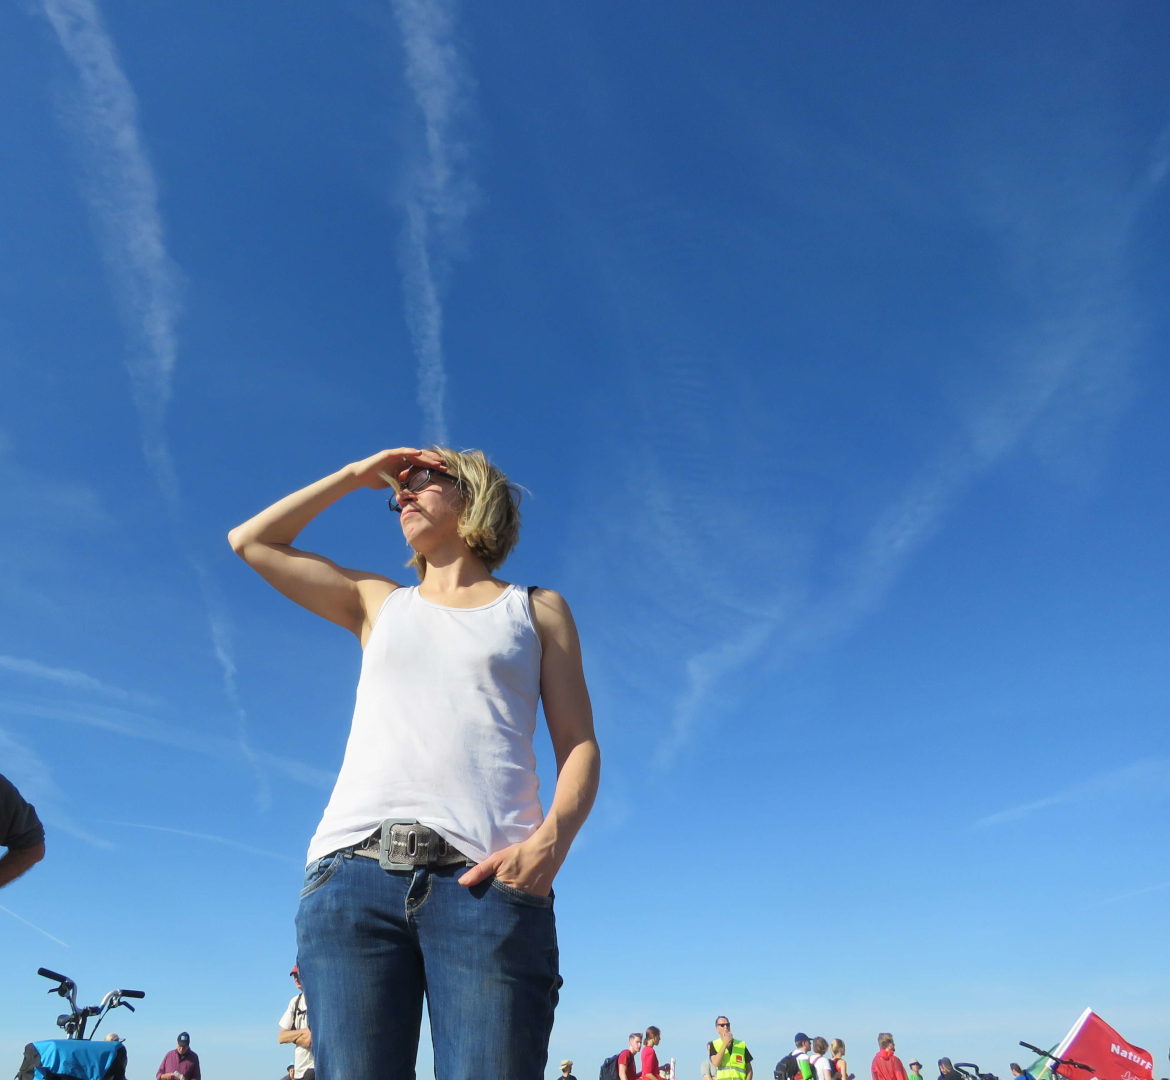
x=126, y=1005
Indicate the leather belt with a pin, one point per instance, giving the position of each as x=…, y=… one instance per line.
x=400, y=845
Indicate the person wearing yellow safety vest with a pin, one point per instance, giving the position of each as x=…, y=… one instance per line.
x=730, y=1057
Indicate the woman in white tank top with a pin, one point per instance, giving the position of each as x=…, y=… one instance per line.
x=431, y=871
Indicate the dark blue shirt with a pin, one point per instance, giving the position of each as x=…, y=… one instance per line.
x=19, y=825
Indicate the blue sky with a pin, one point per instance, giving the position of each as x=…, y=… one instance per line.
x=830, y=344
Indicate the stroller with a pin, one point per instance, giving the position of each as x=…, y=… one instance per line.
x=75, y=1057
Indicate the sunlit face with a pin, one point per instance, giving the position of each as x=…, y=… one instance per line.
x=635, y=1043
x=430, y=513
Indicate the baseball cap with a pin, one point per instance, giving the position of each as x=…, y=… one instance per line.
x=184, y=1038
x=801, y=1037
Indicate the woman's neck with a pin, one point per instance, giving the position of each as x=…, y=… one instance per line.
x=459, y=580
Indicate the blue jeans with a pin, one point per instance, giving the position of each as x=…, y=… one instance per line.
x=372, y=942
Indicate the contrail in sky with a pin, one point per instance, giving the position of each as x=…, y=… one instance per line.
x=22, y=919
x=211, y=838
x=64, y=676
x=123, y=196
x=436, y=196
x=1070, y=265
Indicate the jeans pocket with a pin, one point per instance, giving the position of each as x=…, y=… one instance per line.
x=319, y=872
x=520, y=895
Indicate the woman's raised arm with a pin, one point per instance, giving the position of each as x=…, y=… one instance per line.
x=350, y=598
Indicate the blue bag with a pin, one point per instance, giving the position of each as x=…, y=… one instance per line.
x=73, y=1059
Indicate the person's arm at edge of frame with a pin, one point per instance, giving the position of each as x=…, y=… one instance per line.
x=749, y=1071
x=531, y=865
x=18, y=860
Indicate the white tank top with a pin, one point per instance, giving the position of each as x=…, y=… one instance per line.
x=442, y=727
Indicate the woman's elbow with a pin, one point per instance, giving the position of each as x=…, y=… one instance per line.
x=238, y=540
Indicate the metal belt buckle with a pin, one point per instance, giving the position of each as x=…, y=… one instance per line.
x=416, y=844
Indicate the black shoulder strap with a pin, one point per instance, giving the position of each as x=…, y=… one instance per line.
x=531, y=590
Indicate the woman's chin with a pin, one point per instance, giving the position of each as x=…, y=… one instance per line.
x=419, y=533
x=414, y=525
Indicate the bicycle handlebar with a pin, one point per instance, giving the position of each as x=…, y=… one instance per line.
x=132, y=993
x=1059, y=1061
x=53, y=975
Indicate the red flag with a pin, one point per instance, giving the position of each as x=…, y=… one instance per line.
x=1093, y=1042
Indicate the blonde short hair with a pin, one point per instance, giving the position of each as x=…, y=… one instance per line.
x=489, y=522
x=837, y=1048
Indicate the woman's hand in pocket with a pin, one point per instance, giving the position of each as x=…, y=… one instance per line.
x=529, y=866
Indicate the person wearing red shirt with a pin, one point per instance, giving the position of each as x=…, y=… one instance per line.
x=627, y=1062
x=886, y=1065
x=649, y=1058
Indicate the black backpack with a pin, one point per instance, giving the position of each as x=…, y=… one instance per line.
x=609, y=1068
x=787, y=1068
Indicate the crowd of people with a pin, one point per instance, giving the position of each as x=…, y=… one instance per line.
x=728, y=1058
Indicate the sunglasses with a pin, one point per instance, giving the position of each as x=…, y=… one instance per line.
x=415, y=482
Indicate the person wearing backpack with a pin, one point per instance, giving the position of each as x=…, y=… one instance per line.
x=623, y=1066
x=802, y=1055
x=729, y=1056
x=294, y=1028
x=818, y=1060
